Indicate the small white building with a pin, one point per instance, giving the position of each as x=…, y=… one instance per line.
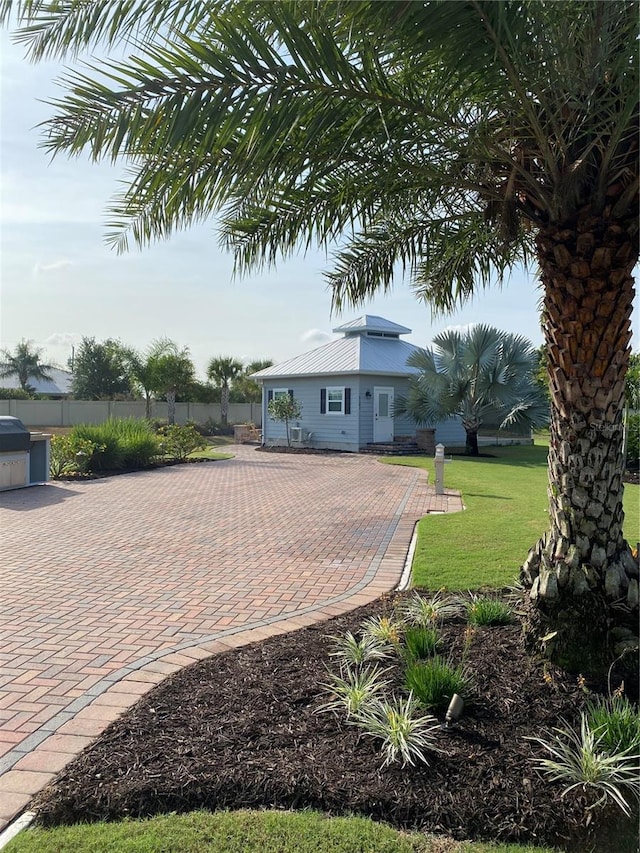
x=346, y=389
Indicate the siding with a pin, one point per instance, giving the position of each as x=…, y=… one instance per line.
x=338, y=432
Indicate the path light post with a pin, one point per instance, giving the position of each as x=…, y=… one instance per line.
x=439, y=461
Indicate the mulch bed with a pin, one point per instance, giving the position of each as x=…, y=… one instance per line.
x=242, y=729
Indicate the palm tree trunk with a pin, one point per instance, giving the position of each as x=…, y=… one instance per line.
x=581, y=576
x=224, y=404
x=171, y=407
x=471, y=443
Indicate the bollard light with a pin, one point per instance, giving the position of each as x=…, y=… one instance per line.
x=454, y=712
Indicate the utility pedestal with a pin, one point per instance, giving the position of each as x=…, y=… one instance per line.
x=439, y=461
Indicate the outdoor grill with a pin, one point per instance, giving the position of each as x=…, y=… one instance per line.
x=24, y=455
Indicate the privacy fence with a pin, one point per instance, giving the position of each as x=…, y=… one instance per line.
x=64, y=413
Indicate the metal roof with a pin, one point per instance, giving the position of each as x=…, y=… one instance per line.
x=354, y=354
x=372, y=323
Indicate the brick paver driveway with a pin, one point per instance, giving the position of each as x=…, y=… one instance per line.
x=108, y=585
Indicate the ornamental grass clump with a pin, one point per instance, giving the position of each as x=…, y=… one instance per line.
x=616, y=722
x=581, y=760
x=433, y=682
x=353, y=689
x=353, y=652
x=405, y=737
x=488, y=610
x=426, y=612
x=420, y=643
x=383, y=628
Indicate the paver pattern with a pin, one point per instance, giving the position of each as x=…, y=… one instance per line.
x=110, y=585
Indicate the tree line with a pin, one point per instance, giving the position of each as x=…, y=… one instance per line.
x=111, y=370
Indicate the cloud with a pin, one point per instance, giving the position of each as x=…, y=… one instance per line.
x=62, y=339
x=62, y=264
x=316, y=337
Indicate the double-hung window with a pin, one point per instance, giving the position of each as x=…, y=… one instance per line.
x=335, y=401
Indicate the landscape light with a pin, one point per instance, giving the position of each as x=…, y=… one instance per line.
x=454, y=711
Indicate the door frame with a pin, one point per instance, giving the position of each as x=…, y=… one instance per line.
x=387, y=435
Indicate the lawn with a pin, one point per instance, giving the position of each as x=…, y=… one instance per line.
x=505, y=495
x=243, y=832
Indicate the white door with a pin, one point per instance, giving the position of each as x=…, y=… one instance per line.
x=383, y=414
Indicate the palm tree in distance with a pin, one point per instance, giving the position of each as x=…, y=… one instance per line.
x=452, y=140
x=222, y=370
x=481, y=374
x=168, y=370
x=24, y=363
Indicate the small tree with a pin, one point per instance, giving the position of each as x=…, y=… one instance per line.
x=284, y=408
x=100, y=370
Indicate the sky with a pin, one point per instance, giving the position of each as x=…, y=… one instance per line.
x=59, y=281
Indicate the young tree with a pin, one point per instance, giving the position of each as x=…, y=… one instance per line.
x=100, y=370
x=454, y=140
x=284, y=408
x=479, y=374
x=222, y=370
x=24, y=363
x=170, y=370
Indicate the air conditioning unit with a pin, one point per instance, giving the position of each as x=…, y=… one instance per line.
x=295, y=434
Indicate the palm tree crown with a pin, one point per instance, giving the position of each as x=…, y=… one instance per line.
x=480, y=374
x=24, y=363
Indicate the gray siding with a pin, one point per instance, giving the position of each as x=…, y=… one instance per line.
x=331, y=431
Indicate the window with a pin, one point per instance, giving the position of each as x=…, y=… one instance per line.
x=335, y=401
x=279, y=392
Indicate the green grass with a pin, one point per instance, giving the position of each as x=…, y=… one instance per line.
x=243, y=832
x=210, y=453
x=506, y=512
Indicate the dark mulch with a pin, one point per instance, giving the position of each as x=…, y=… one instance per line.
x=242, y=729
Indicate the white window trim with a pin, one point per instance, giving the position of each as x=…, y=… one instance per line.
x=279, y=392
x=336, y=389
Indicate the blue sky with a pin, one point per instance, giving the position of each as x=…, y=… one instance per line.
x=59, y=281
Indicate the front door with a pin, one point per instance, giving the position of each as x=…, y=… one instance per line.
x=382, y=414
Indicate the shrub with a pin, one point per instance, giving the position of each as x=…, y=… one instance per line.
x=420, y=643
x=488, y=610
x=580, y=759
x=70, y=454
x=404, y=736
x=122, y=443
x=434, y=682
x=177, y=442
x=616, y=722
x=212, y=427
x=15, y=394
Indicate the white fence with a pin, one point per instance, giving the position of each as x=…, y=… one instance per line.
x=64, y=413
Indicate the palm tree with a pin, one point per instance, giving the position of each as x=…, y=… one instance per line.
x=245, y=389
x=452, y=140
x=223, y=370
x=142, y=369
x=168, y=371
x=477, y=375
x=24, y=363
